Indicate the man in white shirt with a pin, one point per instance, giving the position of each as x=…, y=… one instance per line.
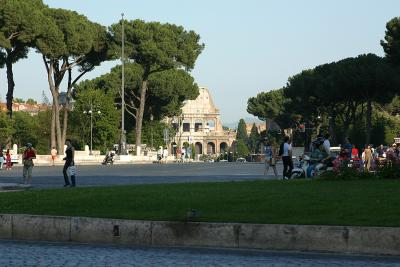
x=327, y=144
x=165, y=155
x=287, y=158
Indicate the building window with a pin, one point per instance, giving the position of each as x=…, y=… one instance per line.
x=198, y=127
x=211, y=125
x=186, y=127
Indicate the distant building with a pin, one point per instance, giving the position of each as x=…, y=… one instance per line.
x=260, y=127
x=29, y=108
x=200, y=125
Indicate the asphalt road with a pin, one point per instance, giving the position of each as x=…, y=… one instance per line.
x=19, y=253
x=100, y=175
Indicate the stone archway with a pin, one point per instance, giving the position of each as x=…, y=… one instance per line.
x=210, y=148
x=223, y=147
x=198, y=148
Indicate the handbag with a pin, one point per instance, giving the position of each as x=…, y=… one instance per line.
x=71, y=170
x=273, y=161
x=28, y=162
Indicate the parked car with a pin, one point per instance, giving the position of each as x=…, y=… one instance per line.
x=15, y=159
x=241, y=160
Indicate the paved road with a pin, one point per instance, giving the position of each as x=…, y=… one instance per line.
x=99, y=175
x=14, y=253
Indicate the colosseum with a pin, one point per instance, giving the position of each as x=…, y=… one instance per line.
x=200, y=125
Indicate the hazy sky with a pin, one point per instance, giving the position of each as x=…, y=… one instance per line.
x=250, y=46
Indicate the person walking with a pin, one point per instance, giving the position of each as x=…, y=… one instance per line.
x=27, y=159
x=165, y=155
x=8, y=160
x=367, y=158
x=1, y=158
x=287, y=158
x=69, y=162
x=53, y=153
x=270, y=158
x=160, y=154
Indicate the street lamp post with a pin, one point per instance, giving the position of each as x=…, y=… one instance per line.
x=151, y=129
x=91, y=125
x=122, y=148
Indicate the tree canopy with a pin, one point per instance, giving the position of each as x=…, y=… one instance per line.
x=105, y=118
x=254, y=139
x=334, y=93
x=241, y=132
x=167, y=90
x=21, y=22
x=156, y=47
x=391, y=44
x=71, y=40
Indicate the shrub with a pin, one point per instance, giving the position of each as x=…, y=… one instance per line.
x=346, y=173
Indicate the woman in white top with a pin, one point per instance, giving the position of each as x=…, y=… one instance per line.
x=270, y=158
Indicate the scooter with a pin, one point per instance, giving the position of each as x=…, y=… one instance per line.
x=305, y=170
x=109, y=159
x=300, y=170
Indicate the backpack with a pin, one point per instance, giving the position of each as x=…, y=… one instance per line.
x=280, y=153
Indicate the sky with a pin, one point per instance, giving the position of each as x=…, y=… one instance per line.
x=250, y=46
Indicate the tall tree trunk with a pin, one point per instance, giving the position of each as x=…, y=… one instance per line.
x=139, y=117
x=66, y=108
x=53, y=127
x=55, y=123
x=268, y=123
x=11, y=85
x=60, y=145
x=56, y=107
x=332, y=126
x=65, y=125
x=71, y=83
x=368, y=122
x=307, y=136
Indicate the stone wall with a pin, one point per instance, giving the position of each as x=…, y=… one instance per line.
x=344, y=239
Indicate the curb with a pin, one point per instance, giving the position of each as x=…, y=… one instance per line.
x=13, y=187
x=343, y=239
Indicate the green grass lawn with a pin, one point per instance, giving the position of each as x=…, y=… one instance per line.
x=360, y=202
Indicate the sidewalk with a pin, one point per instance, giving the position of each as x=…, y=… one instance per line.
x=45, y=160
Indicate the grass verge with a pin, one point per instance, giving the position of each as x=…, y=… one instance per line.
x=360, y=202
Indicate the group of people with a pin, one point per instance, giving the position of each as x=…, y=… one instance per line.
x=68, y=170
x=162, y=155
x=371, y=158
x=320, y=153
x=181, y=154
x=272, y=155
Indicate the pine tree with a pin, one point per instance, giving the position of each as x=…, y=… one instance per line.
x=241, y=133
x=253, y=139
